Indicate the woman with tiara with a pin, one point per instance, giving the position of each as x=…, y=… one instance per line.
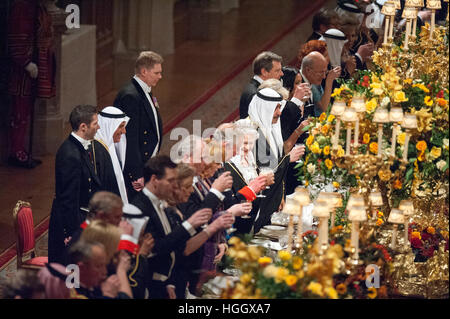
x=244, y=170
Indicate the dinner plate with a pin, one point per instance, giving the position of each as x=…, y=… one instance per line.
x=274, y=227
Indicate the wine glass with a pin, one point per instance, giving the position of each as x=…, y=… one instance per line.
x=267, y=172
x=298, y=145
x=247, y=215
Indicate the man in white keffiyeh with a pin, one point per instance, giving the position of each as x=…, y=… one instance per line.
x=111, y=134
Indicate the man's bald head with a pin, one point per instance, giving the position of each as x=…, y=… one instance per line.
x=314, y=67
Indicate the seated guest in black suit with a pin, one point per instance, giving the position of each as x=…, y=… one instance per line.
x=118, y=263
x=323, y=20
x=267, y=65
x=169, y=234
x=91, y=259
x=181, y=192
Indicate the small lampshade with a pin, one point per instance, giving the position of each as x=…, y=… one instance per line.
x=396, y=216
x=396, y=114
x=349, y=115
x=331, y=199
x=381, y=116
x=407, y=207
x=376, y=199
x=321, y=209
x=409, y=13
x=397, y=4
x=337, y=200
x=357, y=214
x=388, y=8
x=338, y=108
x=434, y=4
x=301, y=195
x=291, y=207
x=359, y=104
x=355, y=200
x=409, y=121
x=414, y=3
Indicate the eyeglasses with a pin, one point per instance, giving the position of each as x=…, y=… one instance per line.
x=324, y=73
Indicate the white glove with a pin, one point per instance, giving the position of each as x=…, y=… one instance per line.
x=32, y=69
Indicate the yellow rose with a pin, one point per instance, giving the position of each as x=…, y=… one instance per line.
x=379, y=222
x=245, y=279
x=322, y=117
x=380, y=214
x=330, y=118
x=428, y=100
x=325, y=129
x=401, y=138
x=366, y=138
x=254, y=252
x=435, y=152
x=422, y=87
x=336, y=184
x=297, y=263
x=280, y=274
x=315, y=288
x=290, y=280
x=371, y=105
x=376, y=88
x=340, y=151
x=326, y=150
x=384, y=174
x=315, y=148
x=431, y=230
x=398, y=184
x=328, y=163
x=416, y=234
x=284, y=255
x=407, y=81
x=399, y=96
x=234, y=240
x=442, y=102
x=373, y=147
x=309, y=140
x=263, y=261
x=421, y=146
x=270, y=271
x=337, y=91
x=331, y=292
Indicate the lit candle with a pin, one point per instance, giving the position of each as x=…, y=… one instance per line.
x=380, y=138
x=323, y=231
x=337, y=110
x=408, y=31
x=433, y=18
x=405, y=149
x=357, y=214
x=300, y=227
x=322, y=211
x=386, y=29
x=394, y=237
x=354, y=239
x=394, y=139
x=290, y=231
x=336, y=134
x=349, y=136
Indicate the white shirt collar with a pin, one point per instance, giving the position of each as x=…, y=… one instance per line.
x=143, y=85
x=83, y=142
x=258, y=78
x=155, y=200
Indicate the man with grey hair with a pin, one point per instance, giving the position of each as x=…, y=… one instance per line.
x=144, y=129
x=266, y=65
x=313, y=70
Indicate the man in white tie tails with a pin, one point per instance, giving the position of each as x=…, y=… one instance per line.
x=144, y=129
